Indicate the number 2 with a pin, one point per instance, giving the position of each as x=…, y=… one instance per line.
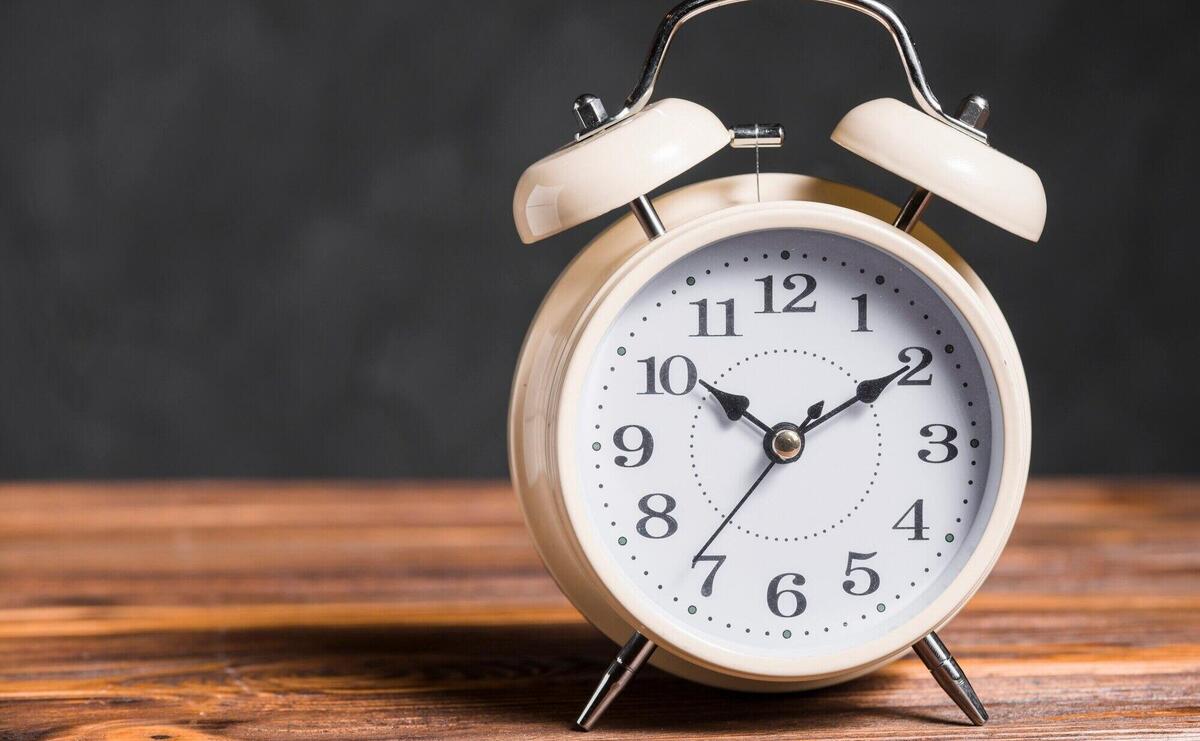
x=926, y=358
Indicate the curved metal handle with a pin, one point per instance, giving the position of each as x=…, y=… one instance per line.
x=688, y=9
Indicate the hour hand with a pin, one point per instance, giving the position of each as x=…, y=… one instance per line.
x=736, y=407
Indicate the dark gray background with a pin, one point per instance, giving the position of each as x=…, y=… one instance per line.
x=274, y=239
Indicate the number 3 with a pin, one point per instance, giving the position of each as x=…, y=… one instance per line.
x=949, y=447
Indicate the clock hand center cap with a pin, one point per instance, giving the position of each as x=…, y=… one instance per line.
x=784, y=443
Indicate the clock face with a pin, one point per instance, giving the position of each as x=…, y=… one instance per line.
x=788, y=443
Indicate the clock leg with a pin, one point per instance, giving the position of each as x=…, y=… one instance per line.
x=629, y=659
x=941, y=664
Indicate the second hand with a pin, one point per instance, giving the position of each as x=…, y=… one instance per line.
x=733, y=512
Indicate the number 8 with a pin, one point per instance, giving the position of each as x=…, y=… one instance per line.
x=668, y=506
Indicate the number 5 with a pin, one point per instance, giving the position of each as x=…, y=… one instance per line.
x=872, y=576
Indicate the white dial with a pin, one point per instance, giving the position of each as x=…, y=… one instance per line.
x=857, y=477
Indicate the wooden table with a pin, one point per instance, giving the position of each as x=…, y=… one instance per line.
x=287, y=611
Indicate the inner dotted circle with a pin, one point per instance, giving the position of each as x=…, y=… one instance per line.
x=803, y=536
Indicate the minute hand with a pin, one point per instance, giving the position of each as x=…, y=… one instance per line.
x=867, y=392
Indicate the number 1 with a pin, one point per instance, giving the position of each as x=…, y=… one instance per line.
x=861, y=300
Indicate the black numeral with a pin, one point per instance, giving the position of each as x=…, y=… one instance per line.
x=669, y=523
x=645, y=446
x=717, y=561
x=926, y=358
x=871, y=574
x=664, y=376
x=861, y=300
x=949, y=447
x=789, y=283
x=917, y=510
x=799, y=604
x=702, y=311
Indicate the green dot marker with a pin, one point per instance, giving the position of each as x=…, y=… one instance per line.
x=691, y=281
x=949, y=537
x=595, y=446
x=787, y=634
x=622, y=540
x=691, y=609
x=880, y=607
x=620, y=351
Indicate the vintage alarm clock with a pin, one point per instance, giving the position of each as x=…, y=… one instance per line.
x=768, y=432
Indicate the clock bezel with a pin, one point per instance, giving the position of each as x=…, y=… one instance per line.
x=624, y=598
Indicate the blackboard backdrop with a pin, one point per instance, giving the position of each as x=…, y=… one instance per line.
x=274, y=239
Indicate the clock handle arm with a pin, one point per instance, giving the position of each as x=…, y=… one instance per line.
x=688, y=9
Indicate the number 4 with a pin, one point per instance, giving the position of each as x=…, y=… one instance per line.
x=918, y=518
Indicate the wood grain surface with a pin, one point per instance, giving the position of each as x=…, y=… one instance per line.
x=419, y=610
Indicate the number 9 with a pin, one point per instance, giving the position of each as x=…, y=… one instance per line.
x=645, y=446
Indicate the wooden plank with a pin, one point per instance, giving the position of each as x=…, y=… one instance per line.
x=419, y=610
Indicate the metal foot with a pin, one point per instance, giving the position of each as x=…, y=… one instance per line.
x=950, y=676
x=629, y=659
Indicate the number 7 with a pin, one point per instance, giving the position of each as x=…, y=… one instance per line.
x=707, y=587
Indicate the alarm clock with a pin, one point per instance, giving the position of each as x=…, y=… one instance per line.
x=769, y=432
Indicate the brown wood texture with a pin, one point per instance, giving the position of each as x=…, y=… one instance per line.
x=343, y=611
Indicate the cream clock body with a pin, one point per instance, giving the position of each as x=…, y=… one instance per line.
x=579, y=357
x=767, y=431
